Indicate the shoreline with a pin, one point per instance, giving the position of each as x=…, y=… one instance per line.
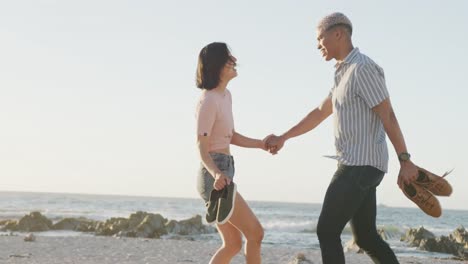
x=110, y=250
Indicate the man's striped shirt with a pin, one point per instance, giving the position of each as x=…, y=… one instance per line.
x=359, y=134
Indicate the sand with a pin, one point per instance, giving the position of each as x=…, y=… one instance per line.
x=110, y=250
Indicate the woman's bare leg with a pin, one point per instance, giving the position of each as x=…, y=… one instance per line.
x=232, y=244
x=245, y=220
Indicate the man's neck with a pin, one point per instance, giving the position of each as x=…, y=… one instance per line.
x=344, y=52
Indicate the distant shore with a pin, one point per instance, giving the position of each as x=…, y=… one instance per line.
x=111, y=250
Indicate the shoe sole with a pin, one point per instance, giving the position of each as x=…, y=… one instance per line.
x=421, y=200
x=214, y=195
x=232, y=207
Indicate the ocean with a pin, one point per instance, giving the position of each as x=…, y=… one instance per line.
x=285, y=224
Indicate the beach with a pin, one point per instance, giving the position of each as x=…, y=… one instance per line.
x=76, y=228
x=111, y=250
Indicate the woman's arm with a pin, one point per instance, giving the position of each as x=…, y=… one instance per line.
x=221, y=180
x=246, y=142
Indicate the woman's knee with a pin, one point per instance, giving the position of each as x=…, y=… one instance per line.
x=256, y=234
x=233, y=246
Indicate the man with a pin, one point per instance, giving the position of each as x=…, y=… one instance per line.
x=363, y=114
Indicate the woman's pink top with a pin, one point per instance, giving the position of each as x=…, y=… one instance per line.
x=215, y=119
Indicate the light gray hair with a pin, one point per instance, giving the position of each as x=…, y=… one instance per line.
x=334, y=19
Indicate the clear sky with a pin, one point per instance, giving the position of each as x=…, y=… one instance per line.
x=99, y=96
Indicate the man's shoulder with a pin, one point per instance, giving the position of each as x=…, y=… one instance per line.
x=362, y=60
x=366, y=64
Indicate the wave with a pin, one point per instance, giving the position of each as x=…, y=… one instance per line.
x=391, y=231
x=290, y=226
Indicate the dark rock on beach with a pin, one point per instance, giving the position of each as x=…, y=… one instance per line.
x=300, y=258
x=351, y=245
x=455, y=244
x=33, y=222
x=139, y=224
x=414, y=236
x=80, y=224
x=190, y=226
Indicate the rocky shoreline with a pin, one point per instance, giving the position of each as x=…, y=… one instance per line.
x=455, y=243
x=139, y=224
x=149, y=225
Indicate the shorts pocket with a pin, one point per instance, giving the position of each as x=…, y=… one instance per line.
x=221, y=162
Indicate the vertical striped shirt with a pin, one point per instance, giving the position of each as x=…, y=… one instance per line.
x=359, y=133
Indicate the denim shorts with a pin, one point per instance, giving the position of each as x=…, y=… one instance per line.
x=225, y=164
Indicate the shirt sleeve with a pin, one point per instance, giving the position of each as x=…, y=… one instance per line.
x=230, y=102
x=371, y=85
x=206, y=116
x=330, y=94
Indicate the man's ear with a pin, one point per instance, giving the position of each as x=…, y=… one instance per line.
x=338, y=33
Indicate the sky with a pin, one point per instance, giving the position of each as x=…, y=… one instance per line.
x=99, y=96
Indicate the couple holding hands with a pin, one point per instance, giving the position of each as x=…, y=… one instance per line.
x=363, y=116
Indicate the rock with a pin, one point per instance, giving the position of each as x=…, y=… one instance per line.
x=152, y=226
x=389, y=233
x=463, y=253
x=191, y=226
x=139, y=224
x=90, y=226
x=10, y=225
x=351, y=245
x=300, y=259
x=382, y=233
x=441, y=244
x=178, y=237
x=112, y=226
x=30, y=237
x=27, y=255
x=136, y=218
x=76, y=224
x=454, y=244
x=460, y=235
x=34, y=222
x=414, y=236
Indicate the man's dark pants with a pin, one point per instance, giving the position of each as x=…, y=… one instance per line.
x=351, y=197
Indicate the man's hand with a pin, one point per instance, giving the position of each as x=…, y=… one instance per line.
x=274, y=143
x=408, y=173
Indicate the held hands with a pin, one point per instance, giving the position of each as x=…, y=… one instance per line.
x=273, y=143
x=408, y=173
x=221, y=181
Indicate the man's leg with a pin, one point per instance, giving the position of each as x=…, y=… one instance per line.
x=342, y=200
x=365, y=231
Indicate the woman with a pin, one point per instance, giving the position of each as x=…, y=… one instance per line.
x=215, y=129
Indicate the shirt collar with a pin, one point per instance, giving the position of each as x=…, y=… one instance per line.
x=350, y=58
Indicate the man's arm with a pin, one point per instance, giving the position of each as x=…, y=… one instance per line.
x=312, y=120
x=408, y=171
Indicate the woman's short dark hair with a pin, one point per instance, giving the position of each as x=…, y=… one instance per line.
x=211, y=61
